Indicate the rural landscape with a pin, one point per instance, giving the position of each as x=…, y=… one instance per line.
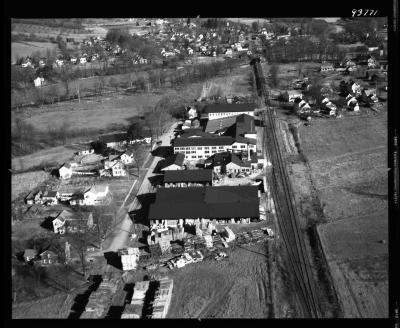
x=199, y=168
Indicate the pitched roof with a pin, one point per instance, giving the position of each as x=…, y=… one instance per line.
x=226, y=108
x=217, y=158
x=209, y=141
x=195, y=132
x=236, y=160
x=30, y=252
x=188, y=176
x=176, y=159
x=206, y=202
x=219, y=124
x=116, y=137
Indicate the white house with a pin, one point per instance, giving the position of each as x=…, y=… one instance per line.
x=59, y=62
x=291, y=95
x=39, y=81
x=96, y=195
x=73, y=60
x=87, y=151
x=82, y=60
x=127, y=157
x=65, y=171
x=118, y=169
x=192, y=112
x=60, y=220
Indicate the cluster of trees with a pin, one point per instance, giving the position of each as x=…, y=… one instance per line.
x=361, y=30
x=302, y=49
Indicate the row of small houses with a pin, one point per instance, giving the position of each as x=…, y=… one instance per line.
x=95, y=195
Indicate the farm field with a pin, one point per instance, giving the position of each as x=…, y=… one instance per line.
x=359, y=264
x=25, y=182
x=56, y=155
x=342, y=187
x=236, y=287
x=89, y=114
x=23, y=49
x=347, y=158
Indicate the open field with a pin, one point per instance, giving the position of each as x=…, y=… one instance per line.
x=23, y=49
x=347, y=158
x=24, y=182
x=89, y=114
x=47, y=31
x=56, y=155
x=343, y=181
x=236, y=287
x=359, y=263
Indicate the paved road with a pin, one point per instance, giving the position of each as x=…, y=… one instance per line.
x=142, y=186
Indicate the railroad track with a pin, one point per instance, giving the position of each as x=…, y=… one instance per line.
x=285, y=207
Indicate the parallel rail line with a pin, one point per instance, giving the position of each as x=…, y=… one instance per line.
x=285, y=207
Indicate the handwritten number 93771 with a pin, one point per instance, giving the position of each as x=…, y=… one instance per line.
x=364, y=12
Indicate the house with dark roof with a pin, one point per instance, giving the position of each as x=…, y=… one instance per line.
x=188, y=178
x=174, y=162
x=114, y=140
x=226, y=163
x=202, y=148
x=202, y=205
x=216, y=111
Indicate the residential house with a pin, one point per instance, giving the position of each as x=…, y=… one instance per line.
x=192, y=113
x=118, y=169
x=42, y=62
x=48, y=257
x=96, y=195
x=73, y=60
x=50, y=197
x=204, y=205
x=59, y=62
x=127, y=157
x=65, y=171
x=30, y=199
x=27, y=63
x=59, y=225
x=174, y=162
x=291, y=95
x=38, y=198
x=327, y=67
x=82, y=60
x=39, y=81
x=188, y=178
x=30, y=255
x=202, y=148
x=86, y=151
x=114, y=140
x=215, y=111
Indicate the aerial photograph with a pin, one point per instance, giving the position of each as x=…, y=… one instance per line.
x=199, y=168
